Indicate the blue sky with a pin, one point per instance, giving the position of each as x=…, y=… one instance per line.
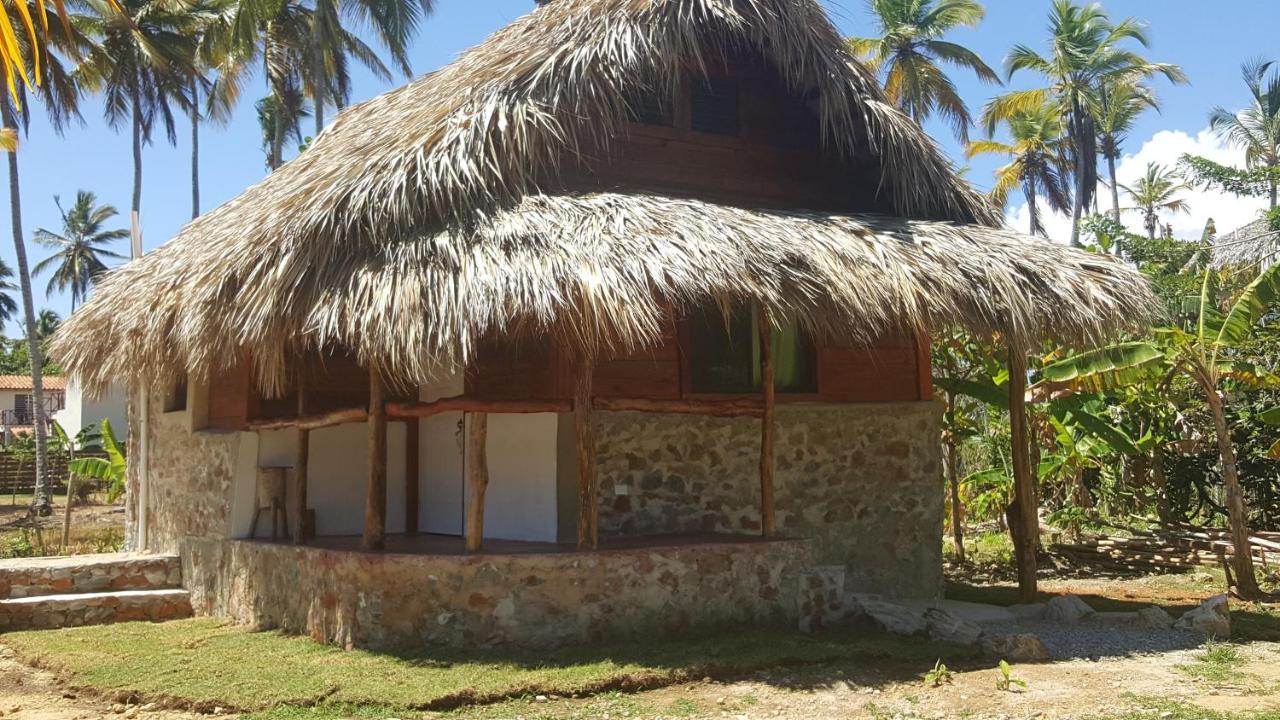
x=1209, y=40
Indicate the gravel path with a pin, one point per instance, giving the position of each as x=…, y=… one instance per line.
x=1092, y=641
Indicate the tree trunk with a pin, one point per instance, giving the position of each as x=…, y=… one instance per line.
x=1115, y=187
x=40, y=503
x=277, y=135
x=1237, y=518
x=137, y=153
x=1161, y=484
x=1026, y=536
x=953, y=481
x=195, y=149
x=1078, y=131
x=1032, y=210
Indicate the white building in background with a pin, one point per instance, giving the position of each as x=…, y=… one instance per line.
x=79, y=410
x=17, y=409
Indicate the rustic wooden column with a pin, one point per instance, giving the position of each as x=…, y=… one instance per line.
x=584, y=433
x=767, y=424
x=375, y=509
x=301, y=456
x=477, y=479
x=411, y=460
x=1026, y=526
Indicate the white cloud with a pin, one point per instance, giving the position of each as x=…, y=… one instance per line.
x=1164, y=148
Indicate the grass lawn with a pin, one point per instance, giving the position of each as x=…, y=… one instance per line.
x=204, y=663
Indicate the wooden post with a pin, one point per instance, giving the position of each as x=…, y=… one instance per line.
x=1026, y=526
x=301, y=456
x=584, y=433
x=477, y=479
x=375, y=509
x=411, y=459
x=767, y=425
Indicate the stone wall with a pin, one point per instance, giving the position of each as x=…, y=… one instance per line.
x=189, y=478
x=861, y=482
x=544, y=599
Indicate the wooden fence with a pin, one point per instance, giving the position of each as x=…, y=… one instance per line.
x=18, y=471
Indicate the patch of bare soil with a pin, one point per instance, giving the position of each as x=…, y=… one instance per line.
x=33, y=694
x=1067, y=690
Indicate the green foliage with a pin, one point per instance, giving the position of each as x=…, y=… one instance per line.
x=112, y=469
x=1007, y=682
x=1250, y=182
x=940, y=675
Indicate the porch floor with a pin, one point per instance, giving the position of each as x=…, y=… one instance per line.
x=430, y=544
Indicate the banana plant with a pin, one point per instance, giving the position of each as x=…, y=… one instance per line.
x=1200, y=348
x=111, y=469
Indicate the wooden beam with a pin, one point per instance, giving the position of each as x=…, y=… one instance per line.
x=301, y=457
x=411, y=460
x=584, y=434
x=767, y=424
x=462, y=403
x=752, y=407
x=375, y=508
x=1025, y=527
x=313, y=422
x=477, y=479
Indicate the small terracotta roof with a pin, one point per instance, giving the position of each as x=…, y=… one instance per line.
x=23, y=382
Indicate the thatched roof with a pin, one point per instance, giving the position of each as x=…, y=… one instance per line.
x=1252, y=244
x=413, y=225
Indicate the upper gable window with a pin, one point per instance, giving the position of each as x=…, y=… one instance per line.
x=649, y=107
x=713, y=106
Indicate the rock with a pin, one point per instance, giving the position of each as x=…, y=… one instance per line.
x=944, y=626
x=1212, y=618
x=1067, y=609
x=1027, y=611
x=1154, y=618
x=891, y=618
x=1015, y=648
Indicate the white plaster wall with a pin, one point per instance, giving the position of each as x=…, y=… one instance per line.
x=440, y=503
x=243, y=489
x=81, y=410
x=520, y=503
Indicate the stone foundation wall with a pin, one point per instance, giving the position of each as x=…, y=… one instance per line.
x=189, y=479
x=861, y=482
x=388, y=600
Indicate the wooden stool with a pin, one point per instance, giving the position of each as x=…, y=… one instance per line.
x=271, y=498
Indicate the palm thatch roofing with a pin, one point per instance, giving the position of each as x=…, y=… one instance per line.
x=416, y=224
x=1255, y=243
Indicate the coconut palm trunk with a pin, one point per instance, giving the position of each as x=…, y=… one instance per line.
x=1115, y=187
x=136, y=207
x=1237, y=518
x=953, y=481
x=40, y=503
x=195, y=149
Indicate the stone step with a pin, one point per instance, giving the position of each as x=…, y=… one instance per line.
x=30, y=577
x=96, y=608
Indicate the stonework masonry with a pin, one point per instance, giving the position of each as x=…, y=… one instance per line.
x=541, y=599
x=860, y=482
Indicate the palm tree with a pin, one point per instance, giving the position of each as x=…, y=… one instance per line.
x=8, y=306
x=1118, y=106
x=909, y=49
x=141, y=65
x=1154, y=192
x=80, y=246
x=60, y=96
x=1085, y=54
x=47, y=323
x=309, y=49
x=1038, y=164
x=278, y=125
x=1255, y=129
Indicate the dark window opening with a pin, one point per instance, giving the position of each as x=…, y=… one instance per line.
x=176, y=399
x=650, y=107
x=713, y=106
x=724, y=358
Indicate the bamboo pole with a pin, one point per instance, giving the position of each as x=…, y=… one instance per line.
x=767, y=424
x=375, y=509
x=411, y=460
x=302, y=455
x=588, y=487
x=1026, y=527
x=477, y=479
